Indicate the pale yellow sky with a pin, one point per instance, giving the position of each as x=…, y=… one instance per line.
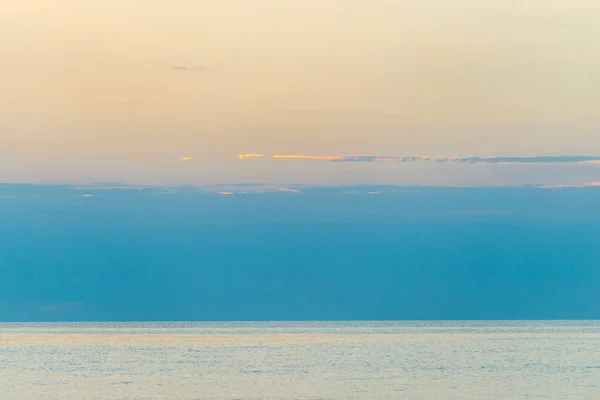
x=95, y=81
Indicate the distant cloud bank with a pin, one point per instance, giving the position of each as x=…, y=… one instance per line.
x=437, y=159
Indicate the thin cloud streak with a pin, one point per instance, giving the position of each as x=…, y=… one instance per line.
x=436, y=159
x=290, y=157
x=582, y=185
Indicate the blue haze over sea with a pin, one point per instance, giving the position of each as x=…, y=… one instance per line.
x=350, y=253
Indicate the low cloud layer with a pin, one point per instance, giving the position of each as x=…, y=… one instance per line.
x=436, y=159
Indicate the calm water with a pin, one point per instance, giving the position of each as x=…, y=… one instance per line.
x=369, y=360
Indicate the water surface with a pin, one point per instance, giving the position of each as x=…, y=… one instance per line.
x=301, y=360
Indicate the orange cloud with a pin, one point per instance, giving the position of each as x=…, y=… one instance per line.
x=186, y=158
x=245, y=156
x=304, y=157
x=290, y=157
x=226, y=193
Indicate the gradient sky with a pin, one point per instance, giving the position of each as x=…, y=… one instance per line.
x=89, y=85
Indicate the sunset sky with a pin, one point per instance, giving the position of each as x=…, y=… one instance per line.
x=160, y=92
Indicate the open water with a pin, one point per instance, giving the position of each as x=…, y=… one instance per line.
x=316, y=360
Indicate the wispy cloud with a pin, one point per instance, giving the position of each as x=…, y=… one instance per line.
x=290, y=157
x=296, y=156
x=288, y=190
x=581, y=185
x=530, y=160
x=189, y=68
x=251, y=155
x=437, y=159
x=187, y=158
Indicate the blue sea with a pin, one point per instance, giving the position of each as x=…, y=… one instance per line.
x=301, y=360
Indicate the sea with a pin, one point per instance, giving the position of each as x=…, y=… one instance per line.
x=301, y=360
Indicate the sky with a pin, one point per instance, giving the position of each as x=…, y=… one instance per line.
x=284, y=159
x=171, y=92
